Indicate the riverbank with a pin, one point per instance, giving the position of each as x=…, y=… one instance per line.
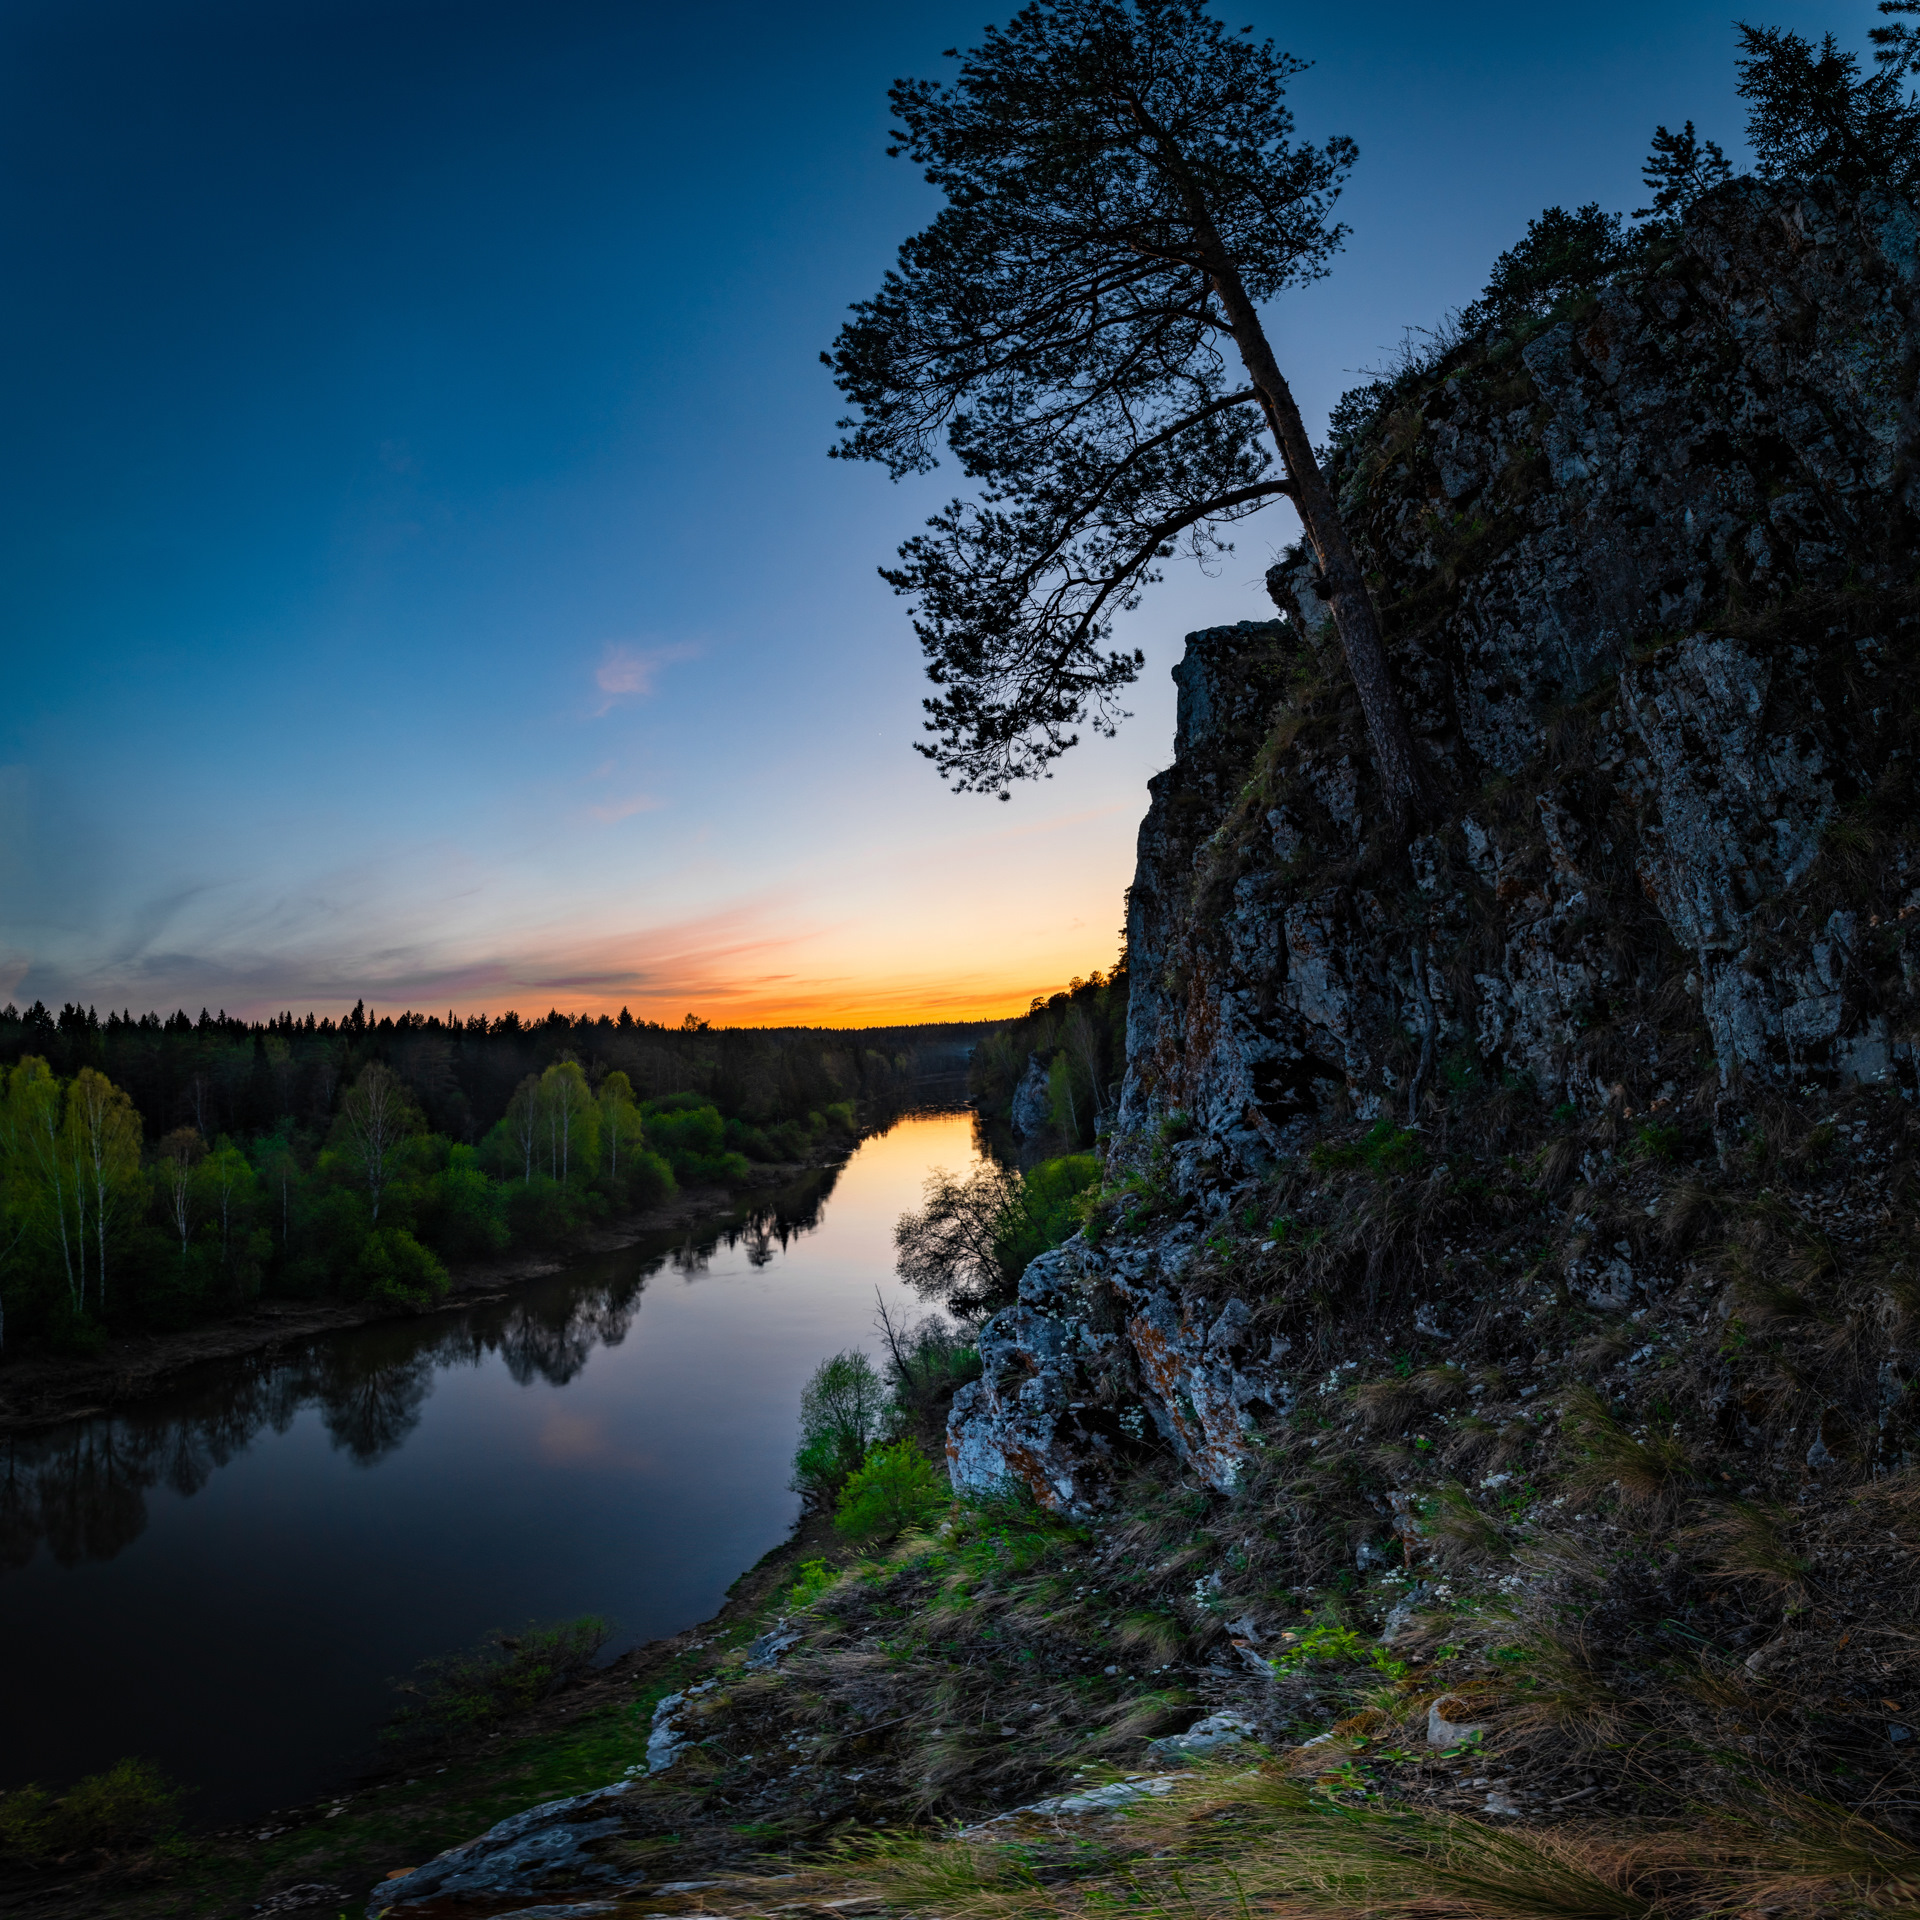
x=317, y=1861
x=581, y=1398
x=40, y=1387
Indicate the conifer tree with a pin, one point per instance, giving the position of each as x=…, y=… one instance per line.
x=1812, y=112
x=1081, y=324
x=1680, y=168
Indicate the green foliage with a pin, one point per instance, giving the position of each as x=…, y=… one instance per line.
x=1044, y=1214
x=896, y=1488
x=973, y=1238
x=465, y=1693
x=235, y=1161
x=128, y=1806
x=1811, y=112
x=816, y=1576
x=1386, y=1149
x=1081, y=1034
x=841, y=1409
x=395, y=1270
x=690, y=1135
x=1336, y=1646
x=462, y=1211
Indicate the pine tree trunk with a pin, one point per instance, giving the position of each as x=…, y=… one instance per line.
x=1409, y=791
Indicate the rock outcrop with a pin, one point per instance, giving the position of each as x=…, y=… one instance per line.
x=1647, y=581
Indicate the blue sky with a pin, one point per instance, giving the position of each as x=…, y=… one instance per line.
x=420, y=573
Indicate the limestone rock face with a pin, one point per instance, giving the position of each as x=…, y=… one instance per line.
x=1644, y=578
x=1100, y=1344
x=559, y=1849
x=1557, y=540
x=1032, y=1107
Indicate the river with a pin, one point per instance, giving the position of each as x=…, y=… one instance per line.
x=226, y=1579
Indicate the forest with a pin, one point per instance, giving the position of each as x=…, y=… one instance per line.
x=1078, y=1038
x=155, y=1172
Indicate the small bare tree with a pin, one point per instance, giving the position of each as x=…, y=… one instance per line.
x=180, y=1153
x=376, y=1118
x=1082, y=1039
x=952, y=1249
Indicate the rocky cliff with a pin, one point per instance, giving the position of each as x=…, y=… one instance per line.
x=1647, y=574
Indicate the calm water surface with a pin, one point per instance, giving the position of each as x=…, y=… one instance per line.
x=226, y=1579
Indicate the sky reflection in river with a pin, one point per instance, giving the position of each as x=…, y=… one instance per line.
x=226, y=1579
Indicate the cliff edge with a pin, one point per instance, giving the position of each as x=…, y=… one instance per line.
x=1518, y=1224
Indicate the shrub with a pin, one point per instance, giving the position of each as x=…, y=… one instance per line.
x=130, y=1805
x=691, y=1135
x=544, y=1211
x=975, y=1237
x=841, y=1408
x=506, y=1674
x=815, y=1578
x=1045, y=1215
x=394, y=1269
x=648, y=1178
x=926, y=1360
x=896, y=1489
x=464, y=1211
x=1329, y=1645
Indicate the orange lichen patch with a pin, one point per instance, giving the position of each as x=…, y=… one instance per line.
x=1166, y=1372
x=1211, y=1434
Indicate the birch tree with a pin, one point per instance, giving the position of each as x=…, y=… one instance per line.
x=524, y=1122
x=179, y=1153
x=568, y=1105
x=40, y=1147
x=377, y=1118
x=621, y=1131
x=102, y=1132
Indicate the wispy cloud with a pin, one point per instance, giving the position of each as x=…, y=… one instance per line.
x=611, y=810
x=628, y=673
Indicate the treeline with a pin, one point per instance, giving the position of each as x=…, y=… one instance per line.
x=220, y=1075
x=1077, y=1038
x=154, y=1172
x=1813, y=112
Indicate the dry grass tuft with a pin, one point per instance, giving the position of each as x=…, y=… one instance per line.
x=1388, y=1406
x=1745, y=1544
x=1233, y=1843
x=1647, y=1469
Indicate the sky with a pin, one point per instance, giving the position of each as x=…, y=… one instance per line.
x=421, y=577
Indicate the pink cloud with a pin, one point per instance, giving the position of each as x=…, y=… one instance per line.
x=628, y=673
x=611, y=810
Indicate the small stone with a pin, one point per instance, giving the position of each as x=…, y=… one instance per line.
x=1204, y=1736
x=1443, y=1730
